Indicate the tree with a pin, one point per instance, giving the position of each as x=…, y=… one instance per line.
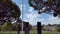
x=46, y=6
x=49, y=24
x=9, y=11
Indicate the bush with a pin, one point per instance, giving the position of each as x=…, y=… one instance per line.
x=58, y=30
x=4, y=27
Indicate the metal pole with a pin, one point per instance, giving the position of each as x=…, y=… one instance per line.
x=21, y=16
x=22, y=13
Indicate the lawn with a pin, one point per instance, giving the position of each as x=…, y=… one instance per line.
x=31, y=32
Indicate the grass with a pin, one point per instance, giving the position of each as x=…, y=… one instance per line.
x=49, y=32
x=31, y=32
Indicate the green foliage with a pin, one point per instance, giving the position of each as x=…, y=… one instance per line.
x=47, y=6
x=4, y=27
x=7, y=26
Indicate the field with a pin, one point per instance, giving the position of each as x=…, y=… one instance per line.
x=31, y=32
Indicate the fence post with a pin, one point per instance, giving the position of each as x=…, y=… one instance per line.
x=26, y=27
x=39, y=29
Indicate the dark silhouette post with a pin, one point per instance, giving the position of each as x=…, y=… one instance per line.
x=0, y=27
x=26, y=28
x=39, y=30
x=19, y=28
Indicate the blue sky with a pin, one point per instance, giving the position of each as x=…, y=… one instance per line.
x=30, y=15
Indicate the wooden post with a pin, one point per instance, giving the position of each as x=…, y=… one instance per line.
x=1, y=23
x=19, y=28
x=26, y=28
x=0, y=27
x=39, y=30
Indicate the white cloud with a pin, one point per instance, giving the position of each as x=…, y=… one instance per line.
x=31, y=8
x=51, y=20
x=32, y=15
x=39, y=20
